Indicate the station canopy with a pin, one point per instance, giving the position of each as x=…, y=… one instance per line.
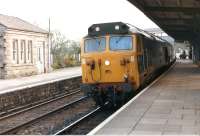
x=178, y=18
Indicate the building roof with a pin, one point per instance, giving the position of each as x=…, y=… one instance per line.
x=19, y=24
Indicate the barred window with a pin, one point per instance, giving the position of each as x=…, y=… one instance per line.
x=39, y=54
x=23, y=51
x=30, y=51
x=15, y=51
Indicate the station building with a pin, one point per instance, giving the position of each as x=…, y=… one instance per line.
x=24, y=48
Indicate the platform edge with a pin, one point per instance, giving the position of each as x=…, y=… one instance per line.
x=96, y=129
x=38, y=84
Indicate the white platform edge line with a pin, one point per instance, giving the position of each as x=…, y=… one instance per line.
x=38, y=84
x=96, y=129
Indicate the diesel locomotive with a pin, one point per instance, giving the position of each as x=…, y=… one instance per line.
x=117, y=59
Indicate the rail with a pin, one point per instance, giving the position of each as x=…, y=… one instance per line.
x=17, y=127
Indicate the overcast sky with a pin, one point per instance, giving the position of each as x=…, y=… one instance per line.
x=73, y=17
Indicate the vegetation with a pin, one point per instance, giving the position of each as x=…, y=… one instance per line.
x=65, y=52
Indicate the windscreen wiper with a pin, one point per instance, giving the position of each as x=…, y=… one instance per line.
x=121, y=37
x=99, y=43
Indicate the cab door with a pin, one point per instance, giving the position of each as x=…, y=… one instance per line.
x=142, y=59
x=166, y=55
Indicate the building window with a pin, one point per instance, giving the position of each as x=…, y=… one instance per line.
x=39, y=54
x=44, y=52
x=23, y=51
x=15, y=51
x=30, y=51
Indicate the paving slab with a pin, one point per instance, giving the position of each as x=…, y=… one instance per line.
x=12, y=84
x=171, y=106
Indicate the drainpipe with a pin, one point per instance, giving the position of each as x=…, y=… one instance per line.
x=49, y=47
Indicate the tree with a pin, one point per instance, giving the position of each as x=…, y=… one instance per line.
x=63, y=51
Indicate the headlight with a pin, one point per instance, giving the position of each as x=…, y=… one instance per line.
x=83, y=61
x=97, y=29
x=107, y=62
x=117, y=27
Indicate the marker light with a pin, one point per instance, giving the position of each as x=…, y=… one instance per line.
x=117, y=27
x=97, y=29
x=107, y=62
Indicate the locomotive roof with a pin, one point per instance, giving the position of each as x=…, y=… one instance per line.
x=108, y=28
x=119, y=28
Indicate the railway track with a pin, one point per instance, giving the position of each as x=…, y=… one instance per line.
x=55, y=120
x=78, y=116
x=36, y=104
x=85, y=124
x=16, y=120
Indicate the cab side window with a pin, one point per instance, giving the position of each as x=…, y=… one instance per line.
x=139, y=44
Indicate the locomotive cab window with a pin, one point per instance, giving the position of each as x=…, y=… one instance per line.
x=118, y=43
x=95, y=45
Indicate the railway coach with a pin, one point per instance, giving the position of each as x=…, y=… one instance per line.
x=117, y=59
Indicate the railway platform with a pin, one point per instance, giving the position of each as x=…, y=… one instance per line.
x=36, y=80
x=19, y=92
x=170, y=105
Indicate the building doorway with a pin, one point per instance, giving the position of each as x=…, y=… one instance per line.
x=40, y=58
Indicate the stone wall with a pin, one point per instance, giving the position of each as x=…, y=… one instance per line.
x=27, y=96
x=2, y=51
x=19, y=71
x=2, y=56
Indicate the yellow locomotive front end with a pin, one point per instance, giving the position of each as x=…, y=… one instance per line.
x=106, y=63
x=109, y=63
